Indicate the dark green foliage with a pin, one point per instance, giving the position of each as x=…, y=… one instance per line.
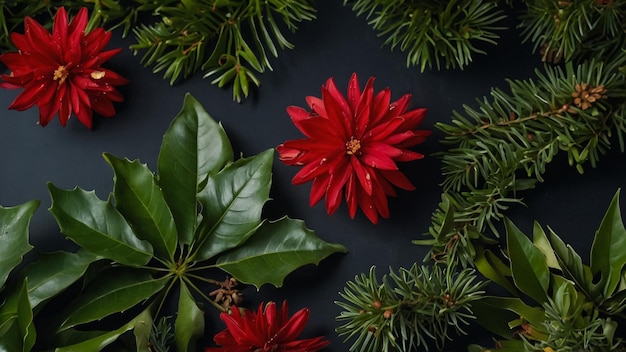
x=439, y=33
x=230, y=41
x=412, y=308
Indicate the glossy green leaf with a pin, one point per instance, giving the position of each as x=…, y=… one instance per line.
x=608, y=256
x=14, y=223
x=494, y=269
x=97, y=226
x=528, y=265
x=193, y=146
x=115, y=290
x=54, y=272
x=572, y=265
x=99, y=342
x=232, y=202
x=541, y=242
x=496, y=313
x=141, y=329
x=276, y=249
x=17, y=332
x=189, y=324
x=141, y=202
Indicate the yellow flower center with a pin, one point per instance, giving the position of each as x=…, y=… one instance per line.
x=352, y=146
x=60, y=74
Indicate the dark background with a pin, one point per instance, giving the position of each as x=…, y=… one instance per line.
x=335, y=45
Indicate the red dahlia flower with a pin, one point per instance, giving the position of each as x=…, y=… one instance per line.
x=61, y=72
x=266, y=330
x=354, y=144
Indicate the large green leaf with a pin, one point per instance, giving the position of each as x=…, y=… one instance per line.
x=189, y=324
x=608, y=251
x=232, y=202
x=142, y=329
x=540, y=240
x=494, y=269
x=276, y=249
x=496, y=314
x=54, y=272
x=14, y=236
x=193, y=146
x=97, y=343
x=141, y=202
x=572, y=266
x=17, y=332
x=97, y=226
x=115, y=290
x=528, y=265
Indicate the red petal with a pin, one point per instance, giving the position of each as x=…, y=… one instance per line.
x=414, y=118
x=317, y=105
x=318, y=189
x=362, y=116
x=398, y=179
x=29, y=96
x=363, y=175
x=398, y=107
x=367, y=206
x=377, y=159
x=310, y=171
x=351, y=197
x=59, y=28
x=338, y=178
x=339, y=120
x=294, y=327
x=384, y=130
x=65, y=109
x=354, y=93
x=380, y=106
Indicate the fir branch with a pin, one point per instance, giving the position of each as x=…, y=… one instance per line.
x=408, y=309
x=504, y=146
x=230, y=41
x=161, y=335
x=575, y=29
x=443, y=33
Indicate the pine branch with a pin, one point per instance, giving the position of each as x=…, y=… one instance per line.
x=409, y=309
x=504, y=146
x=230, y=41
x=439, y=33
x=575, y=29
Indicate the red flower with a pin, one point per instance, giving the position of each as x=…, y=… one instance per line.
x=60, y=72
x=265, y=331
x=354, y=144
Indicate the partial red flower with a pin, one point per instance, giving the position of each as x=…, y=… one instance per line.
x=266, y=330
x=61, y=71
x=352, y=146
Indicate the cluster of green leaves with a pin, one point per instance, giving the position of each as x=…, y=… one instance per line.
x=578, y=307
x=154, y=238
x=503, y=147
x=438, y=32
x=109, y=13
x=575, y=30
x=229, y=40
x=413, y=308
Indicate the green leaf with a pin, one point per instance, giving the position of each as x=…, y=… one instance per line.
x=54, y=272
x=115, y=290
x=572, y=265
x=193, y=146
x=141, y=329
x=494, y=269
x=189, y=324
x=17, y=332
x=97, y=226
x=541, y=242
x=496, y=314
x=608, y=256
x=14, y=223
x=276, y=249
x=232, y=202
x=99, y=342
x=141, y=202
x=528, y=265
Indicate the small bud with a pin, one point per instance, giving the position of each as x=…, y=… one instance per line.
x=377, y=304
x=388, y=313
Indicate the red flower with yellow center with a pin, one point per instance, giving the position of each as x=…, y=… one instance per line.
x=61, y=71
x=352, y=146
x=267, y=330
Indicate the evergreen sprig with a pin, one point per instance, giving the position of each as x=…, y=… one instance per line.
x=503, y=147
x=433, y=33
x=230, y=41
x=412, y=308
x=575, y=29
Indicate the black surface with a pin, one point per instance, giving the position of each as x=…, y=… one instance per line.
x=336, y=44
